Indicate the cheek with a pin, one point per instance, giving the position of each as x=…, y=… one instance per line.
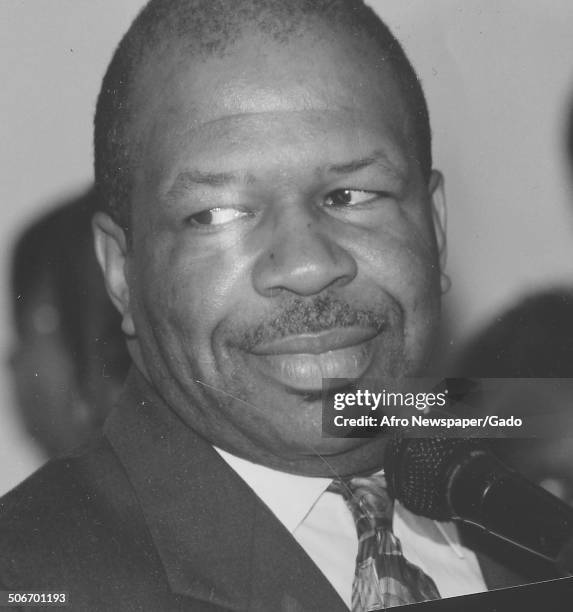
x=185, y=295
x=404, y=263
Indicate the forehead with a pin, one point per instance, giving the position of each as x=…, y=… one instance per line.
x=330, y=91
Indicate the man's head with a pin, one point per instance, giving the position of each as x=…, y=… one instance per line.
x=273, y=216
x=204, y=29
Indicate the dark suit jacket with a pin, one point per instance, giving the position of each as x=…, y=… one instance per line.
x=151, y=518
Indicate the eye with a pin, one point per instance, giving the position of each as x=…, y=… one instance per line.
x=215, y=216
x=346, y=198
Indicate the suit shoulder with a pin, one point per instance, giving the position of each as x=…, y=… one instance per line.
x=61, y=487
x=70, y=518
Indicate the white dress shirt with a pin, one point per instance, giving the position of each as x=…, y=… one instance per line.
x=323, y=525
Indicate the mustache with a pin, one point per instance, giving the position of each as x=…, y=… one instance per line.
x=303, y=316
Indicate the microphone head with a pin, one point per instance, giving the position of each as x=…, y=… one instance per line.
x=418, y=472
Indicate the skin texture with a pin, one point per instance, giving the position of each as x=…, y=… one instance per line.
x=251, y=273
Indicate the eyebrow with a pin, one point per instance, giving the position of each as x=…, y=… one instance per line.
x=377, y=158
x=189, y=178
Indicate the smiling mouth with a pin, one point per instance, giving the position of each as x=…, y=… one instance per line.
x=301, y=362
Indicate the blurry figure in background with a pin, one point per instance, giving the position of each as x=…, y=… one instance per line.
x=69, y=360
x=534, y=339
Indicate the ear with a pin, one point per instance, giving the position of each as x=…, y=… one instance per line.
x=111, y=251
x=439, y=218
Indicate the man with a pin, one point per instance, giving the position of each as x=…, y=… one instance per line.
x=272, y=219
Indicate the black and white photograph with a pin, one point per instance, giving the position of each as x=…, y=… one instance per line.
x=286, y=305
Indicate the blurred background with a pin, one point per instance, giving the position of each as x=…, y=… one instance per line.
x=499, y=82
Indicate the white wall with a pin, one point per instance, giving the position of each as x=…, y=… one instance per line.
x=52, y=59
x=499, y=78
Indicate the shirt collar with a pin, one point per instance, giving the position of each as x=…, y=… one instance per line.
x=210, y=531
x=290, y=497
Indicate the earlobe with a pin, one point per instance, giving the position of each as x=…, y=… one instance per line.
x=439, y=218
x=111, y=251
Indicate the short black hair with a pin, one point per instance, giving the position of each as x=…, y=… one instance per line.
x=208, y=28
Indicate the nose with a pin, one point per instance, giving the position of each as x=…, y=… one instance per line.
x=302, y=256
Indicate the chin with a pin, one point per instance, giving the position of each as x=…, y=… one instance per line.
x=336, y=457
x=321, y=447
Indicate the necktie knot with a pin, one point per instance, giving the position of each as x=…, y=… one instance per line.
x=368, y=500
x=383, y=577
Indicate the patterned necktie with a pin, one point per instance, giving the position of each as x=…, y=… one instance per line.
x=383, y=577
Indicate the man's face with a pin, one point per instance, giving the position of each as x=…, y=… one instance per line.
x=282, y=233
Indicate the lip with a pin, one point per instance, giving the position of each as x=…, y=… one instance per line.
x=315, y=344
x=301, y=362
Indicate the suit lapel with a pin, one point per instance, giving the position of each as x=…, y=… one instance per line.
x=217, y=541
x=284, y=577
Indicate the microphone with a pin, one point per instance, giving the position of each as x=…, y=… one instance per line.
x=446, y=478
